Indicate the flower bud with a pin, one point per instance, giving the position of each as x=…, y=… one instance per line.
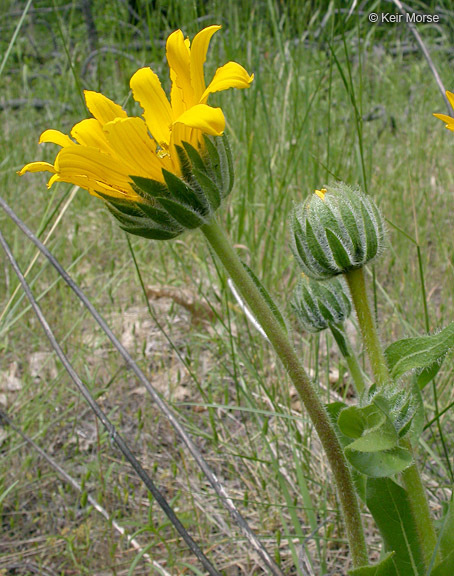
x=319, y=305
x=335, y=230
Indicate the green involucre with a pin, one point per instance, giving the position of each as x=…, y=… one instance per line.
x=180, y=203
x=318, y=305
x=340, y=232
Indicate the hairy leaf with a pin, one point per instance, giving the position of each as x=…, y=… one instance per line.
x=379, y=464
x=389, y=505
x=420, y=352
x=385, y=567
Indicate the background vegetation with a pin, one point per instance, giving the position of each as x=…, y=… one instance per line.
x=334, y=96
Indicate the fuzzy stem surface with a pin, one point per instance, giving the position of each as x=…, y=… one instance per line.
x=226, y=253
x=357, y=284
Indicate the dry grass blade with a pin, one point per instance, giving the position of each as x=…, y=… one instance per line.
x=223, y=495
x=115, y=437
x=46, y=239
x=73, y=482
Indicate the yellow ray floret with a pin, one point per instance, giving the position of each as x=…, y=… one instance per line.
x=102, y=153
x=448, y=120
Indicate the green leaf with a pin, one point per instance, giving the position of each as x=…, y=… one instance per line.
x=389, y=505
x=385, y=567
x=428, y=374
x=418, y=418
x=370, y=428
x=376, y=430
x=403, y=407
x=379, y=464
x=266, y=296
x=359, y=479
x=420, y=352
x=445, y=567
x=354, y=421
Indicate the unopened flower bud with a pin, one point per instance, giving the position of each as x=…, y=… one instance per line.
x=335, y=230
x=319, y=305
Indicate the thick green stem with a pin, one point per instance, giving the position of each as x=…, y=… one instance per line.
x=357, y=285
x=412, y=480
x=222, y=246
x=350, y=357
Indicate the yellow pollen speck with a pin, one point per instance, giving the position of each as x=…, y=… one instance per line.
x=321, y=193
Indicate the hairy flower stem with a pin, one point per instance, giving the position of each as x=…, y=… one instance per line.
x=357, y=284
x=410, y=476
x=222, y=246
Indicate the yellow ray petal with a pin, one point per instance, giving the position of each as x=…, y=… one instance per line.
x=130, y=141
x=231, y=75
x=205, y=118
x=56, y=137
x=95, y=187
x=179, y=59
x=176, y=96
x=89, y=132
x=114, y=192
x=55, y=178
x=182, y=133
x=37, y=167
x=450, y=97
x=81, y=181
x=198, y=56
x=449, y=121
x=103, y=109
x=147, y=90
x=84, y=161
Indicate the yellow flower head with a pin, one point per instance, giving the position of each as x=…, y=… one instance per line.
x=104, y=151
x=448, y=120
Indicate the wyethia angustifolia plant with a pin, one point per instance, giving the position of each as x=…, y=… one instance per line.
x=165, y=173
x=335, y=232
